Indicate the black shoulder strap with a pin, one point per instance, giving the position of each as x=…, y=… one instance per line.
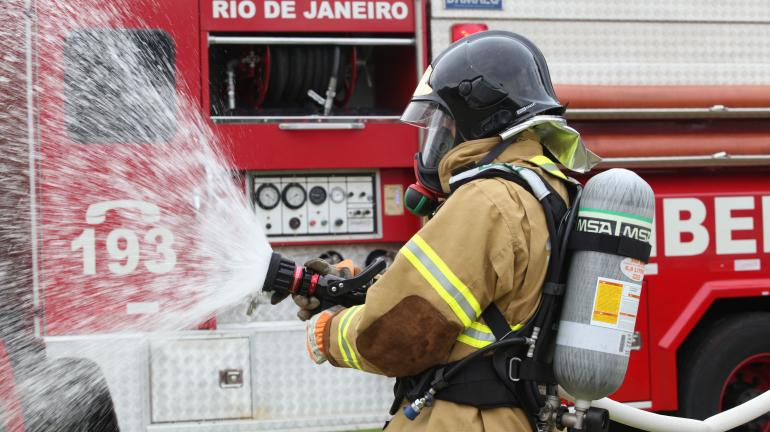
x=496, y=321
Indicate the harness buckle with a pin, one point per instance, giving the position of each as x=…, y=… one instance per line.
x=514, y=362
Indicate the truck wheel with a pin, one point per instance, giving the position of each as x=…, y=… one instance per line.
x=69, y=395
x=727, y=364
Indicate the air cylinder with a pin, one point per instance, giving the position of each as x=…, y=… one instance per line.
x=604, y=284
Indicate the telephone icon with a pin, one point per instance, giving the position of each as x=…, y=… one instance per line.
x=97, y=212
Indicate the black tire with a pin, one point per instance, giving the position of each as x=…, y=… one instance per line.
x=68, y=395
x=710, y=358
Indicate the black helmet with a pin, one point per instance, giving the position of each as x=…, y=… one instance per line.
x=480, y=86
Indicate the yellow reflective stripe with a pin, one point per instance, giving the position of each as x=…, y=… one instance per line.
x=341, y=339
x=436, y=286
x=479, y=335
x=547, y=164
x=356, y=310
x=541, y=160
x=467, y=340
x=448, y=286
x=348, y=353
x=458, y=284
x=484, y=328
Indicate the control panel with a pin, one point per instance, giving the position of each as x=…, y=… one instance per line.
x=311, y=206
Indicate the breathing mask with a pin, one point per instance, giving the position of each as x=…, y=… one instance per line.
x=437, y=137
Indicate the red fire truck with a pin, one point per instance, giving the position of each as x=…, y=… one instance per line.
x=305, y=95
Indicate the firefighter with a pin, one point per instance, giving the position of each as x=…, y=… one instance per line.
x=485, y=244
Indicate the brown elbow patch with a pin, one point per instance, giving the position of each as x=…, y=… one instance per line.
x=408, y=339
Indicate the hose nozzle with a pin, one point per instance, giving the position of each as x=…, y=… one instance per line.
x=286, y=277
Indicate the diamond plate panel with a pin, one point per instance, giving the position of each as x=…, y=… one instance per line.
x=289, y=387
x=124, y=363
x=297, y=425
x=287, y=310
x=595, y=10
x=185, y=379
x=641, y=53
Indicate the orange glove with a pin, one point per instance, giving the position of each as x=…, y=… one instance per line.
x=315, y=331
x=344, y=269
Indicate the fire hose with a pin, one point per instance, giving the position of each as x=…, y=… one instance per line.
x=652, y=422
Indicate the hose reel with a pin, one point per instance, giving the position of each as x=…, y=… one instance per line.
x=289, y=77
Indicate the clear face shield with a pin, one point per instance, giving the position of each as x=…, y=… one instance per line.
x=437, y=131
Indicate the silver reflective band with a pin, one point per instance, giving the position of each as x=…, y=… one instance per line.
x=465, y=175
x=479, y=335
x=534, y=181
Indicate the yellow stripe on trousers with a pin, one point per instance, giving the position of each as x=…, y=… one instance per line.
x=448, y=286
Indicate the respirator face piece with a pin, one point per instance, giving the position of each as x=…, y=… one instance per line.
x=422, y=197
x=437, y=131
x=420, y=201
x=437, y=137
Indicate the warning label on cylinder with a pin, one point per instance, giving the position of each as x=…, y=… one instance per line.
x=616, y=304
x=592, y=338
x=633, y=269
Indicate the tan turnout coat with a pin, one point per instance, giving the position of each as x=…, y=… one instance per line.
x=486, y=244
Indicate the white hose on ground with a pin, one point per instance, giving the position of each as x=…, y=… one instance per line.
x=740, y=414
x=652, y=422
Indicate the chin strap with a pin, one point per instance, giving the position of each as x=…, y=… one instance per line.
x=496, y=151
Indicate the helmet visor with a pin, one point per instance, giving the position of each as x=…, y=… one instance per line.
x=437, y=130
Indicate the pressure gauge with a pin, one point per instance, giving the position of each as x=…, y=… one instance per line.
x=294, y=196
x=268, y=196
x=317, y=195
x=337, y=194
